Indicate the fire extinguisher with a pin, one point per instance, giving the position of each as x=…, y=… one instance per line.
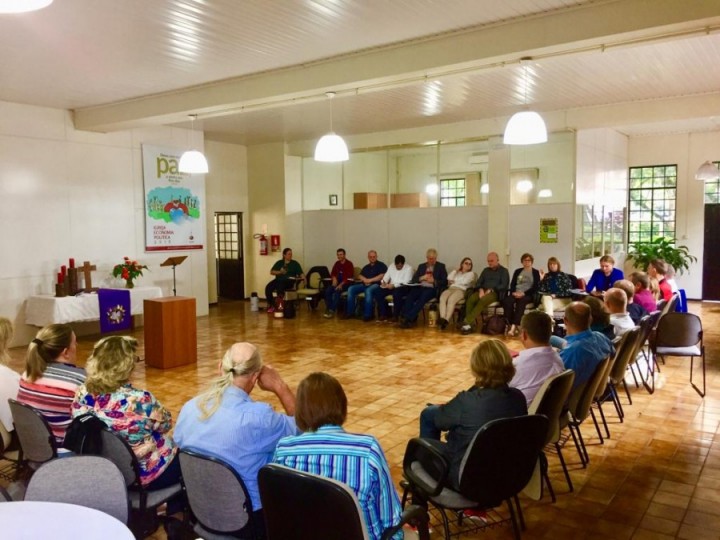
x=263, y=243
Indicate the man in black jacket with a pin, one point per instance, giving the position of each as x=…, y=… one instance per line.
x=429, y=281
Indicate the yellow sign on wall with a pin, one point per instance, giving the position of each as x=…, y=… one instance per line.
x=548, y=230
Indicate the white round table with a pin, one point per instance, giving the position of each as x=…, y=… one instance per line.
x=30, y=520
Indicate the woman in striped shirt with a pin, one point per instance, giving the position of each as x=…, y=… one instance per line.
x=51, y=378
x=328, y=450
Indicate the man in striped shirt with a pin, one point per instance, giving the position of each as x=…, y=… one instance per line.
x=328, y=450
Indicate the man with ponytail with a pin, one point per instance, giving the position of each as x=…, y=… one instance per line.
x=226, y=423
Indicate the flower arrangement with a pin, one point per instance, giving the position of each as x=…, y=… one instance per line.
x=128, y=270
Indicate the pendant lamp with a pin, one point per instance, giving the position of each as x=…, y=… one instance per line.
x=525, y=127
x=707, y=171
x=193, y=161
x=22, y=6
x=331, y=147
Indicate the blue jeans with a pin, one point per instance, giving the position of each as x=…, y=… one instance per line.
x=356, y=289
x=332, y=297
x=428, y=430
x=416, y=300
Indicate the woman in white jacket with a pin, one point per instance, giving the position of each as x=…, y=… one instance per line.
x=459, y=280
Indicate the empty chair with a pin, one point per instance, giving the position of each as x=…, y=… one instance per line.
x=550, y=401
x=304, y=506
x=314, y=285
x=681, y=334
x=37, y=441
x=218, y=498
x=90, y=481
x=142, y=501
x=497, y=465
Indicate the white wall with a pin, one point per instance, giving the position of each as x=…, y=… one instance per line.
x=524, y=234
x=688, y=151
x=76, y=194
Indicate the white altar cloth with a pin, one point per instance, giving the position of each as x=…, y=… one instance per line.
x=45, y=309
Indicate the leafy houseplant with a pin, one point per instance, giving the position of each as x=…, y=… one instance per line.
x=661, y=248
x=129, y=271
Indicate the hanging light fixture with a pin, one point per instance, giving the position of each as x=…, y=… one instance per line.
x=524, y=186
x=23, y=6
x=193, y=161
x=485, y=188
x=707, y=171
x=525, y=127
x=331, y=147
x=545, y=193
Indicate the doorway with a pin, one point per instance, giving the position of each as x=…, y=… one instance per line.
x=711, y=262
x=229, y=256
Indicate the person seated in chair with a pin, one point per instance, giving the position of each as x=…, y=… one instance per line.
x=490, y=287
x=51, y=379
x=489, y=398
x=431, y=277
x=603, y=278
x=326, y=449
x=393, y=284
x=341, y=276
x=635, y=310
x=225, y=422
x=287, y=272
x=459, y=279
x=555, y=285
x=616, y=303
x=523, y=286
x=656, y=272
x=370, y=277
x=643, y=296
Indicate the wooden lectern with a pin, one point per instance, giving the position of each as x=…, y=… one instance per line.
x=170, y=332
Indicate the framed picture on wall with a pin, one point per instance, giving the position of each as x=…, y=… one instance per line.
x=333, y=200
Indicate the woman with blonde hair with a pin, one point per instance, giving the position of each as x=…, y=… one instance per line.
x=132, y=413
x=9, y=379
x=489, y=398
x=226, y=423
x=459, y=279
x=51, y=377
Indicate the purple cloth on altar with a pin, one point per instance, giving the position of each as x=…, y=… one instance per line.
x=114, y=310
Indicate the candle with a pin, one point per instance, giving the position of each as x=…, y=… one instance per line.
x=72, y=263
x=63, y=270
x=60, y=278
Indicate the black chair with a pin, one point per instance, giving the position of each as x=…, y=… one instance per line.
x=143, y=503
x=90, y=481
x=37, y=442
x=314, y=287
x=218, y=498
x=498, y=464
x=303, y=506
x=681, y=334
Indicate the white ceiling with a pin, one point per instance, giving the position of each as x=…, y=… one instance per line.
x=256, y=70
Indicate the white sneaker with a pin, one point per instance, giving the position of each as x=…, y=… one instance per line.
x=466, y=329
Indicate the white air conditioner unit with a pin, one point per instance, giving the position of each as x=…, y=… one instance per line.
x=477, y=159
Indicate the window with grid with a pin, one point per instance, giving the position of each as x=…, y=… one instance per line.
x=452, y=192
x=651, y=203
x=712, y=188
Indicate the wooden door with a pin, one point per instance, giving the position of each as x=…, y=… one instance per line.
x=711, y=262
x=229, y=255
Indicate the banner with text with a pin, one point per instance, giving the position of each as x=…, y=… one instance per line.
x=174, y=202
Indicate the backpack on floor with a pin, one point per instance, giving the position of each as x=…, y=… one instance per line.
x=494, y=325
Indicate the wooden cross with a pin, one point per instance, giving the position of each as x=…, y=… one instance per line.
x=86, y=269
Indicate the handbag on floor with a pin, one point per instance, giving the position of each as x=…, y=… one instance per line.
x=494, y=325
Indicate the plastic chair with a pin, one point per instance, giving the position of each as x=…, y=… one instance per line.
x=314, y=286
x=37, y=441
x=550, y=401
x=303, y=506
x=681, y=334
x=497, y=465
x=90, y=481
x=218, y=497
x=142, y=502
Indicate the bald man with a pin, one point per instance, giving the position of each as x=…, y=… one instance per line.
x=491, y=286
x=226, y=423
x=585, y=349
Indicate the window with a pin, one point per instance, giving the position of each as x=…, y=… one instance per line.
x=712, y=189
x=651, y=203
x=452, y=192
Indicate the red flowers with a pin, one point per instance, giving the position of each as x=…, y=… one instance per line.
x=128, y=269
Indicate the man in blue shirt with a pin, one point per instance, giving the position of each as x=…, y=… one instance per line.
x=585, y=349
x=226, y=423
x=370, y=277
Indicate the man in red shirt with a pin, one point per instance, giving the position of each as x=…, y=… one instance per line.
x=342, y=277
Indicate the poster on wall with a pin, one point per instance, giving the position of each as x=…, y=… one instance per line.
x=173, y=202
x=548, y=230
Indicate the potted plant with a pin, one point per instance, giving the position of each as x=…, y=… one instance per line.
x=661, y=248
x=129, y=270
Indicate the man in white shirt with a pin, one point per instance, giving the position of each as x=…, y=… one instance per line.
x=392, y=283
x=539, y=360
x=616, y=303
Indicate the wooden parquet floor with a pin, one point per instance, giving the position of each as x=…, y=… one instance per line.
x=658, y=476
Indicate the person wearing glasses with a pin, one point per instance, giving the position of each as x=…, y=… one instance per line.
x=459, y=280
x=523, y=286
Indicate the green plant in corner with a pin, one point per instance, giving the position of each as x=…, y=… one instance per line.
x=661, y=248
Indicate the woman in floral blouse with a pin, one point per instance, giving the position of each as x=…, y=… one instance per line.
x=132, y=413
